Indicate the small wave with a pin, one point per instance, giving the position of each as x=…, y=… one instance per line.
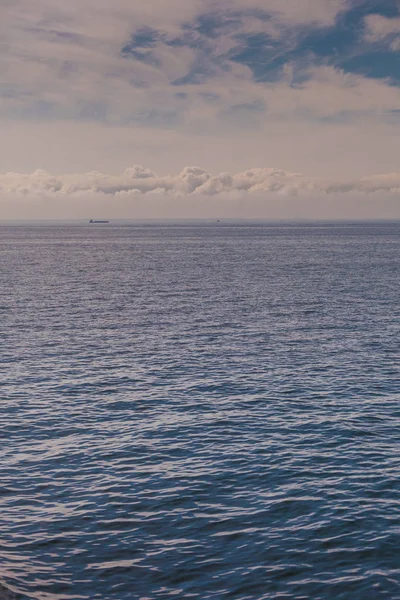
x=6, y=594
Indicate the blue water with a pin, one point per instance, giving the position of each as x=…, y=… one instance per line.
x=200, y=411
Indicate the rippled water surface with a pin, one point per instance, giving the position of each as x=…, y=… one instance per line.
x=200, y=411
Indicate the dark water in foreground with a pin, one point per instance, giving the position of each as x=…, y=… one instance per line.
x=200, y=412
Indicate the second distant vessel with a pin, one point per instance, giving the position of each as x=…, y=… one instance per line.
x=94, y=221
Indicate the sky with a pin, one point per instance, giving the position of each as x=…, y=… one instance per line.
x=200, y=108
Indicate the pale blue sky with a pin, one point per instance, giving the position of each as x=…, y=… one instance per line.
x=307, y=86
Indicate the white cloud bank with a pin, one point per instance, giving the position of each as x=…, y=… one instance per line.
x=138, y=180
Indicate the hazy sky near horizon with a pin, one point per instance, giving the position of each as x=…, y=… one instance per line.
x=281, y=108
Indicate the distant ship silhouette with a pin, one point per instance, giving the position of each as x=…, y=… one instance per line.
x=99, y=221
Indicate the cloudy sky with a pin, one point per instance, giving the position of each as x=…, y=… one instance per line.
x=258, y=108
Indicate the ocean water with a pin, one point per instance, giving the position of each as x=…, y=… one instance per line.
x=200, y=411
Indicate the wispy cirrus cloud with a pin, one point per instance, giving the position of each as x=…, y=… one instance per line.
x=383, y=29
x=161, y=63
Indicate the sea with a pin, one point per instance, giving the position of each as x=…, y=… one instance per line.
x=200, y=410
